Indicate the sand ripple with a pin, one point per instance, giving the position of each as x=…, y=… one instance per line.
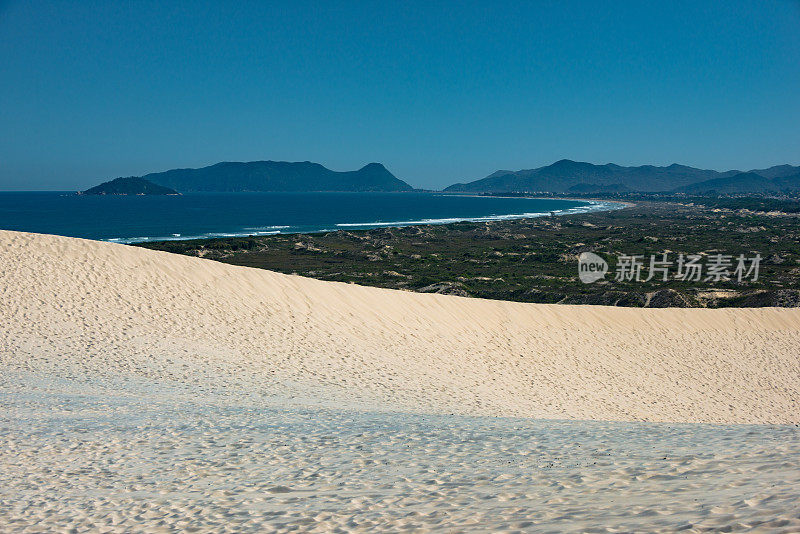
x=130, y=463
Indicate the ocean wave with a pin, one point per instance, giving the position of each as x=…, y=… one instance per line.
x=179, y=237
x=592, y=205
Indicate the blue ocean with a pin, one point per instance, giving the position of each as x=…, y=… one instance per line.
x=130, y=219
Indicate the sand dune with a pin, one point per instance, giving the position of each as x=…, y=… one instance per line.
x=143, y=391
x=79, y=310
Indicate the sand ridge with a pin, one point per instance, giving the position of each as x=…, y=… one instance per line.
x=79, y=309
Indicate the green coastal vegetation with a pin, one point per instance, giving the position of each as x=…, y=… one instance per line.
x=535, y=260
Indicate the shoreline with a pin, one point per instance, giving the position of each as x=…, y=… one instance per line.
x=603, y=205
x=185, y=228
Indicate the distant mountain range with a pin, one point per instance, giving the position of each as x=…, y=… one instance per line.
x=563, y=177
x=277, y=176
x=568, y=176
x=129, y=186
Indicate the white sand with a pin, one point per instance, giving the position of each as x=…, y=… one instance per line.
x=143, y=391
x=133, y=465
x=79, y=308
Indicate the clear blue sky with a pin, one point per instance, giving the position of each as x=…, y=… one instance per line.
x=439, y=92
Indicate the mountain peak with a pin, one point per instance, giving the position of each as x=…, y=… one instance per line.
x=278, y=176
x=563, y=162
x=374, y=166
